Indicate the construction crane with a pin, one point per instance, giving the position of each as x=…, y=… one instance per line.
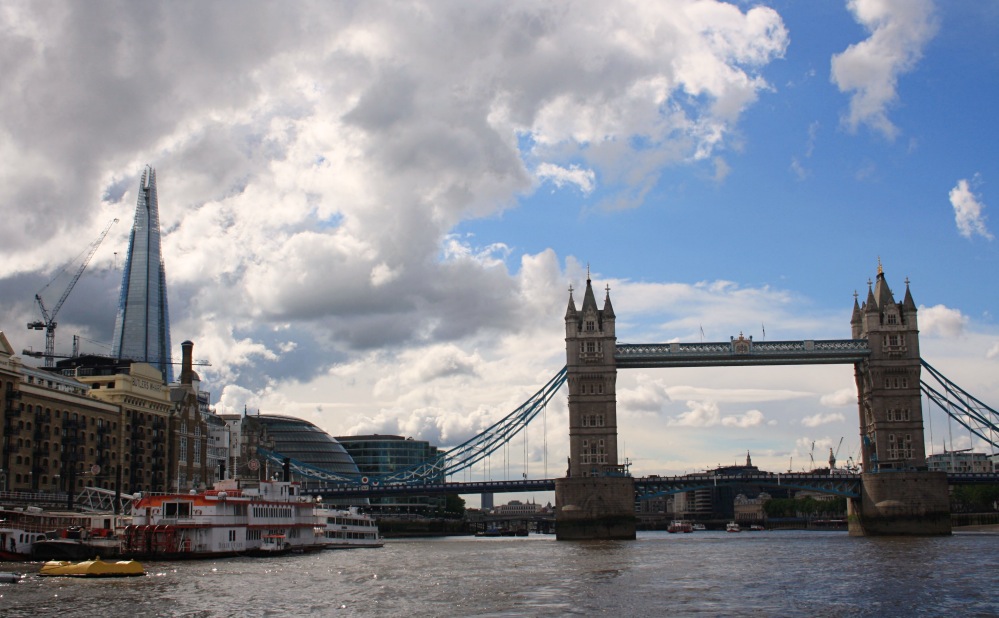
x=833, y=456
x=48, y=322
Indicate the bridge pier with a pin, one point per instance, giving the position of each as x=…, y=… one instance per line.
x=595, y=507
x=901, y=503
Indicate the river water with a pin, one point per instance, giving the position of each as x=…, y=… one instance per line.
x=775, y=573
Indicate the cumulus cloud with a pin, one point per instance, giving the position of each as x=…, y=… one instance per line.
x=647, y=396
x=822, y=419
x=842, y=397
x=707, y=414
x=585, y=180
x=752, y=418
x=899, y=30
x=940, y=320
x=315, y=161
x=968, y=211
x=993, y=352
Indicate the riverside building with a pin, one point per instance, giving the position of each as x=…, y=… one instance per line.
x=377, y=455
x=98, y=422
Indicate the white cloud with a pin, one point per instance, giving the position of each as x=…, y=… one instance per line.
x=842, y=397
x=752, y=418
x=584, y=179
x=870, y=69
x=823, y=418
x=993, y=351
x=968, y=211
x=942, y=321
x=698, y=414
x=707, y=414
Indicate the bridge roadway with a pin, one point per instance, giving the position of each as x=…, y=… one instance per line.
x=647, y=487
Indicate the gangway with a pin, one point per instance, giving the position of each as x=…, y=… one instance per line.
x=99, y=500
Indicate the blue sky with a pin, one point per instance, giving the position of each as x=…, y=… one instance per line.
x=371, y=216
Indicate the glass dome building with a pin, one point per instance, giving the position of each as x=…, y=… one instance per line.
x=288, y=437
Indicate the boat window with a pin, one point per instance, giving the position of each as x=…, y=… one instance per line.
x=177, y=509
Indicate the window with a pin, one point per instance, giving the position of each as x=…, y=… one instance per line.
x=590, y=326
x=892, y=318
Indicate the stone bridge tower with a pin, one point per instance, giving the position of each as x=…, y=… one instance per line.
x=898, y=495
x=596, y=500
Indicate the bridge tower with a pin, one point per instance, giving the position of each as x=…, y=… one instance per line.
x=898, y=494
x=596, y=500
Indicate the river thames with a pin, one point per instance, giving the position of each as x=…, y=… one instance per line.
x=775, y=573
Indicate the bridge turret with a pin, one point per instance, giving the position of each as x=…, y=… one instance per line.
x=888, y=382
x=898, y=494
x=592, y=374
x=596, y=499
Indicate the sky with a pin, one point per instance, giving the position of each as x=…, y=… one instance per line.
x=372, y=212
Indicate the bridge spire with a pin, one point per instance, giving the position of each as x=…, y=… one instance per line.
x=570, y=311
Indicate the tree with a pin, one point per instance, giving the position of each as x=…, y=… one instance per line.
x=454, y=504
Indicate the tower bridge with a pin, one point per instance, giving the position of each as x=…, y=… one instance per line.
x=895, y=494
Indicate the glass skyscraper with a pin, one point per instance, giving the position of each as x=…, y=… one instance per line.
x=142, y=327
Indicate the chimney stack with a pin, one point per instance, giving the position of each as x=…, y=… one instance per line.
x=187, y=362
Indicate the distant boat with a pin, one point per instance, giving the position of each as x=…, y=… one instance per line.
x=679, y=526
x=492, y=531
x=698, y=527
x=347, y=528
x=732, y=527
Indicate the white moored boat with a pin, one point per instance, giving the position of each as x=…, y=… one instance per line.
x=272, y=518
x=346, y=528
x=31, y=533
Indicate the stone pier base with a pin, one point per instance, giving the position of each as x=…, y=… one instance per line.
x=595, y=507
x=901, y=503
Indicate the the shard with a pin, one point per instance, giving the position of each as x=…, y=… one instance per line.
x=142, y=327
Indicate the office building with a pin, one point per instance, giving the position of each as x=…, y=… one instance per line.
x=142, y=326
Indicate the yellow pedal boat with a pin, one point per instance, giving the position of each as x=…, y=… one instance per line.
x=92, y=568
